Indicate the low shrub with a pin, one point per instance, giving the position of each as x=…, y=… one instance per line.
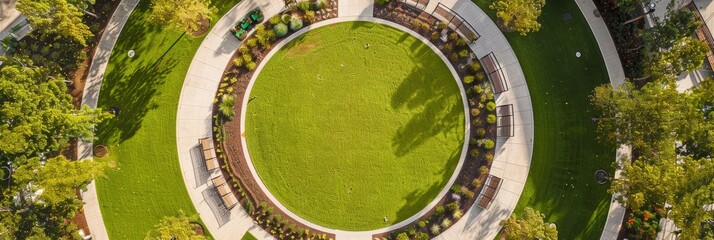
x=488, y=144
x=478, y=89
x=446, y=223
x=483, y=170
x=274, y=20
x=491, y=118
x=458, y=214
x=226, y=106
x=243, y=50
x=439, y=210
x=435, y=229
x=474, y=152
x=304, y=6
x=489, y=158
x=421, y=236
x=295, y=23
x=454, y=57
x=422, y=224
x=491, y=106
x=448, y=47
x=402, y=236
x=238, y=62
x=456, y=188
x=382, y=2
x=480, y=76
x=460, y=42
x=480, y=132
x=411, y=231
x=466, y=192
x=454, y=205
x=435, y=36
x=469, y=79
x=453, y=36
x=251, y=66
x=477, y=182
x=475, y=66
x=464, y=53
x=280, y=29
x=252, y=42
x=475, y=112
x=310, y=16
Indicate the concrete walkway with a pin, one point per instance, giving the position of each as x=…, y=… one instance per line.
x=617, y=77
x=513, y=154
x=194, y=122
x=89, y=97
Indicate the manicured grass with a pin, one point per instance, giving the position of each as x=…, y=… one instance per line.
x=346, y=135
x=566, y=154
x=146, y=183
x=248, y=236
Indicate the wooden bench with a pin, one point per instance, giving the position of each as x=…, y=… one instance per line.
x=209, y=153
x=505, y=121
x=489, y=191
x=221, y=186
x=494, y=72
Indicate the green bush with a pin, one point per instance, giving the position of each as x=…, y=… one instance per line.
x=402, y=236
x=464, y=53
x=243, y=50
x=446, y=223
x=458, y=213
x=475, y=66
x=488, y=144
x=466, y=192
x=226, y=107
x=251, y=66
x=491, y=118
x=439, y=210
x=295, y=23
x=280, y=29
x=238, y=62
x=480, y=132
x=382, y=2
x=456, y=188
x=469, y=79
x=475, y=112
x=422, y=224
x=476, y=182
x=274, y=20
x=310, y=16
x=435, y=36
x=480, y=76
x=483, y=170
x=304, y=6
x=460, y=42
x=474, y=152
x=422, y=236
x=489, y=158
x=478, y=89
x=435, y=229
x=490, y=106
x=454, y=205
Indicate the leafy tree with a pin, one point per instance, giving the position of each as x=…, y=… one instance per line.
x=62, y=17
x=36, y=114
x=665, y=33
x=171, y=227
x=184, y=15
x=520, y=15
x=638, y=117
x=649, y=182
x=42, y=196
x=691, y=206
x=697, y=137
x=531, y=226
x=686, y=55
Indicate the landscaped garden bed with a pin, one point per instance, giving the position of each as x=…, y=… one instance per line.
x=451, y=207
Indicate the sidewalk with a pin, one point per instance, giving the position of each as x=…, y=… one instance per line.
x=89, y=97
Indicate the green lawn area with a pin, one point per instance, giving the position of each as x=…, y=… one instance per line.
x=248, y=236
x=146, y=183
x=345, y=135
x=566, y=154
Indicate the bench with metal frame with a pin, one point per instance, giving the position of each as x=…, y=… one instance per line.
x=489, y=191
x=494, y=73
x=455, y=21
x=504, y=125
x=209, y=153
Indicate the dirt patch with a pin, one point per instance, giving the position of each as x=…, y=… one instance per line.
x=203, y=28
x=198, y=229
x=302, y=49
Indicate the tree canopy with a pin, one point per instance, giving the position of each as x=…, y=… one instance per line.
x=184, y=15
x=520, y=15
x=530, y=226
x=36, y=114
x=174, y=227
x=62, y=17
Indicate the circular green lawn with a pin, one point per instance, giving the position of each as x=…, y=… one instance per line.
x=345, y=134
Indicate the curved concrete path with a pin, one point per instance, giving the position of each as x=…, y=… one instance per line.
x=616, y=73
x=513, y=154
x=90, y=97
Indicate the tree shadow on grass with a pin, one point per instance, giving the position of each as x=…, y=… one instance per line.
x=416, y=200
x=133, y=93
x=439, y=108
